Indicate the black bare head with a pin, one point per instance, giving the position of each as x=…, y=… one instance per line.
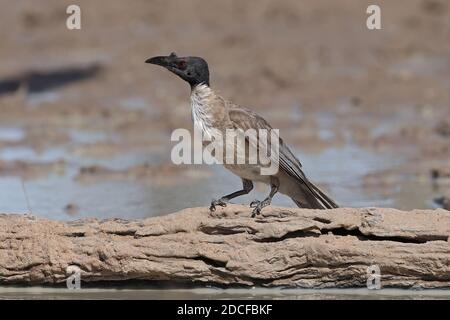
x=194, y=70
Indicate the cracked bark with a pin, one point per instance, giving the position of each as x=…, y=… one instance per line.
x=283, y=247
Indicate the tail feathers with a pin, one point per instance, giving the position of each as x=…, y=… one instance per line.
x=314, y=198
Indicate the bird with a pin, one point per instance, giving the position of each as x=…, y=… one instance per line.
x=210, y=111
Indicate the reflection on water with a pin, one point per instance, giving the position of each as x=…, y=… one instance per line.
x=87, y=136
x=49, y=195
x=343, y=169
x=212, y=293
x=11, y=133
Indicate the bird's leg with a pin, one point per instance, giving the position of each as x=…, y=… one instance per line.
x=258, y=205
x=247, y=186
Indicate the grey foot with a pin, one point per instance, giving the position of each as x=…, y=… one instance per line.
x=258, y=206
x=214, y=203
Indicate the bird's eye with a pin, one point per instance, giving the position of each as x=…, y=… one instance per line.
x=181, y=65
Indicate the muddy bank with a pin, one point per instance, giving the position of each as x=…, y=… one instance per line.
x=283, y=247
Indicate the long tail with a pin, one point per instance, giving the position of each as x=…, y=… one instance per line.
x=315, y=198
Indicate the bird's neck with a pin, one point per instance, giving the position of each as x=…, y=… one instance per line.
x=201, y=89
x=201, y=97
x=202, y=101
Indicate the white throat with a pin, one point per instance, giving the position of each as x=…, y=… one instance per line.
x=201, y=116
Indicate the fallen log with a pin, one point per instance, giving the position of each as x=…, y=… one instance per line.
x=282, y=247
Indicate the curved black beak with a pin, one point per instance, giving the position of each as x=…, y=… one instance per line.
x=160, y=61
x=164, y=61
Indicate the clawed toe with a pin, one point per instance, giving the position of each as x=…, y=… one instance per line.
x=256, y=212
x=258, y=206
x=254, y=203
x=215, y=203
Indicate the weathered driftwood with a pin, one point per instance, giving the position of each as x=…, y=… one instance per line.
x=283, y=247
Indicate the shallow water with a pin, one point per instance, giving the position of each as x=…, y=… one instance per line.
x=339, y=169
x=49, y=195
x=212, y=293
x=11, y=133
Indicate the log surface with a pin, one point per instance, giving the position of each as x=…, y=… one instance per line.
x=283, y=247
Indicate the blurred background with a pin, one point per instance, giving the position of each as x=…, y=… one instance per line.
x=85, y=124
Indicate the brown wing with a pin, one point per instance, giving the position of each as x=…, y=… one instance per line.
x=245, y=119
